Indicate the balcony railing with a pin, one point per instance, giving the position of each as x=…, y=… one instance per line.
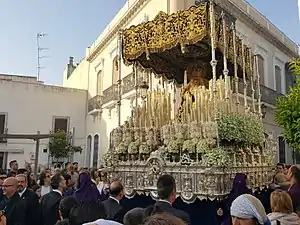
x=95, y=103
x=268, y=95
x=128, y=83
x=110, y=94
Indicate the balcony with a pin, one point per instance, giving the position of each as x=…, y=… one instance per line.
x=268, y=95
x=110, y=94
x=128, y=83
x=95, y=104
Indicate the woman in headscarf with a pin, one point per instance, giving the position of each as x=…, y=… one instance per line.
x=90, y=206
x=87, y=190
x=248, y=210
x=239, y=187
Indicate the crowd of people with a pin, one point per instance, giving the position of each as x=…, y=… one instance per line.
x=73, y=196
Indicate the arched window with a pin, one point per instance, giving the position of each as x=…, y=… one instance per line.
x=96, y=150
x=289, y=78
x=115, y=74
x=261, y=69
x=99, y=83
x=88, y=150
x=278, y=79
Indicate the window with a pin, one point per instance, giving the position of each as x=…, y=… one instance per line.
x=96, y=150
x=278, y=79
x=281, y=145
x=61, y=124
x=2, y=126
x=88, y=150
x=99, y=83
x=115, y=70
x=289, y=78
x=261, y=69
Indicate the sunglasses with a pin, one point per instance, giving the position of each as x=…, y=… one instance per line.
x=3, y=178
x=48, y=176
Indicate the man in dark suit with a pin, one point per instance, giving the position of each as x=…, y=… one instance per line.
x=166, y=190
x=50, y=202
x=12, y=205
x=112, y=205
x=31, y=201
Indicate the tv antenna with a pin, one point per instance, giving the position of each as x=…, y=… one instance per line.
x=39, y=36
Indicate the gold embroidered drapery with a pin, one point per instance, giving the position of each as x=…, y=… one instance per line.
x=170, y=44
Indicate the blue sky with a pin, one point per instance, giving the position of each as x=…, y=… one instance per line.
x=73, y=25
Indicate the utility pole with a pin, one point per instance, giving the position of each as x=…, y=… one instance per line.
x=39, y=50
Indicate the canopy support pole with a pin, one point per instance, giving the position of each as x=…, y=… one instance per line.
x=119, y=76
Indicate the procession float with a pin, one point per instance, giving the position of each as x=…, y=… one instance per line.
x=202, y=122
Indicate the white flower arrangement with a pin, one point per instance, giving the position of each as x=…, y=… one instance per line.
x=133, y=148
x=194, y=131
x=110, y=158
x=217, y=157
x=189, y=146
x=127, y=137
x=243, y=131
x=136, y=134
x=179, y=131
x=165, y=131
x=174, y=146
x=144, y=148
x=122, y=148
x=117, y=136
x=210, y=130
x=202, y=146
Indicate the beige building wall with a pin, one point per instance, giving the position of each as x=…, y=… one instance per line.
x=29, y=107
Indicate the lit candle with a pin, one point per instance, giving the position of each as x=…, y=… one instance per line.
x=185, y=78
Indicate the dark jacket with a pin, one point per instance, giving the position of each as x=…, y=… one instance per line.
x=114, y=210
x=32, y=207
x=167, y=207
x=14, y=209
x=50, y=208
x=86, y=212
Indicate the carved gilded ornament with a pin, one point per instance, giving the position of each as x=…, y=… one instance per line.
x=184, y=29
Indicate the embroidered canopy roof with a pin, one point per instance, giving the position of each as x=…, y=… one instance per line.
x=170, y=44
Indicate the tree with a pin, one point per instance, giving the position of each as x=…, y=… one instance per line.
x=295, y=66
x=287, y=113
x=60, y=147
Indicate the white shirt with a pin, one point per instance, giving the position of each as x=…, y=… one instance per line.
x=22, y=192
x=166, y=201
x=45, y=190
x=57, y=191
x=103, y=187
x=115, y=199
x=103, y=222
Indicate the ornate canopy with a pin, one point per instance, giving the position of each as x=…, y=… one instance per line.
x=171, y=44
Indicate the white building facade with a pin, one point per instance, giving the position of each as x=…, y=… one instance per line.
x=98, y=73
x=29, y=106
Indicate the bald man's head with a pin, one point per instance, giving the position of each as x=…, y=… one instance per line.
x=10, y=186
x=116, y=190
